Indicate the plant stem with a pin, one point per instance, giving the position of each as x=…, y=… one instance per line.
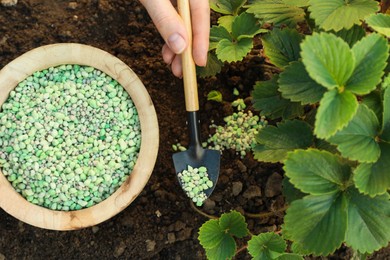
x=265, y=214
x=278, y=232
x=310, y=23
x=241, y=249
x=201, y=212
x=271, y=67
x=385, y=4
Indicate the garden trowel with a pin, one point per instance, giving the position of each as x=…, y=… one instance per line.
x=195, y=156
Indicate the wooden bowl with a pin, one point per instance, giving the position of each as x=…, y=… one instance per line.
x=70, y=53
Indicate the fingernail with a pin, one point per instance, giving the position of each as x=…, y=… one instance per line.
x=204, y=62
x=176, y=43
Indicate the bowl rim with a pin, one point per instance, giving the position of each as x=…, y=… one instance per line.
x=54, y=55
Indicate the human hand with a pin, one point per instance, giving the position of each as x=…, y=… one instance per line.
x=172, y=29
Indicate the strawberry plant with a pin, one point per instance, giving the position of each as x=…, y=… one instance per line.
x=333, y=136
x=217, y=236
x=232, y=39
x=331, y=105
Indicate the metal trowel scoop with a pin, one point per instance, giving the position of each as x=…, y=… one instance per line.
x=195, y=156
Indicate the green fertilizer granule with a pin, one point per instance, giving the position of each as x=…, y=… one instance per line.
x=69, y=137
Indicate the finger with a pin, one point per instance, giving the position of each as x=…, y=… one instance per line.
x=200, y=16
x=176, y=66
x=168, y=23
x=167, y=54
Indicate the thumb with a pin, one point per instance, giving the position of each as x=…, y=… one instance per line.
x=169, y=23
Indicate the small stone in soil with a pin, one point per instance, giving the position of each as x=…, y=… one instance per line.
x=72, y=5
x=252, y=192
x=95, y=229
x=223, y=180
x=150, y=245
x=119, y=250
x=236, y=188
x=241, y=167
x=184, y=234
x=21, y=226
x=217, y=197
x=273, y=186
x=179, y=225
x=171, y=238
x=208, y=204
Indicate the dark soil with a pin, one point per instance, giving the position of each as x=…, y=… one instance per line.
x=160, y=223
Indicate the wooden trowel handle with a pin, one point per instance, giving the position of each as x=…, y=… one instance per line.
x=189, y=71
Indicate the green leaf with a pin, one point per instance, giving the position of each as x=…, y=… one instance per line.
x=245, y=26
x=275, y=142
x=233, y=51
x=374, y=178
x=386, y=116
x=212, y=68
x=357, y=140
x=266, y=246
x=317, y=223
x=292, y=110
x=233, y=223
x=310, y=116
x=328, y=59
x=216, y=235
x=322, y=144
x=371, y=54
x=316, y=172
x=287, y=256
x=386, y=81
x=210, y=234
x=338, y=14
x=374, y=102
x=226, y=21
x=299, y=3
x=282, y=46
x=290, y=192
x=368, y=222
x=225, y=250
x=380, y=23
x=298, y=248
x=351, y=36
x=268, y=100
x=226, y=6
x=277, y=12
x=218, y=33
x=335, y=111
x=214, y=95
x=296, y=85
